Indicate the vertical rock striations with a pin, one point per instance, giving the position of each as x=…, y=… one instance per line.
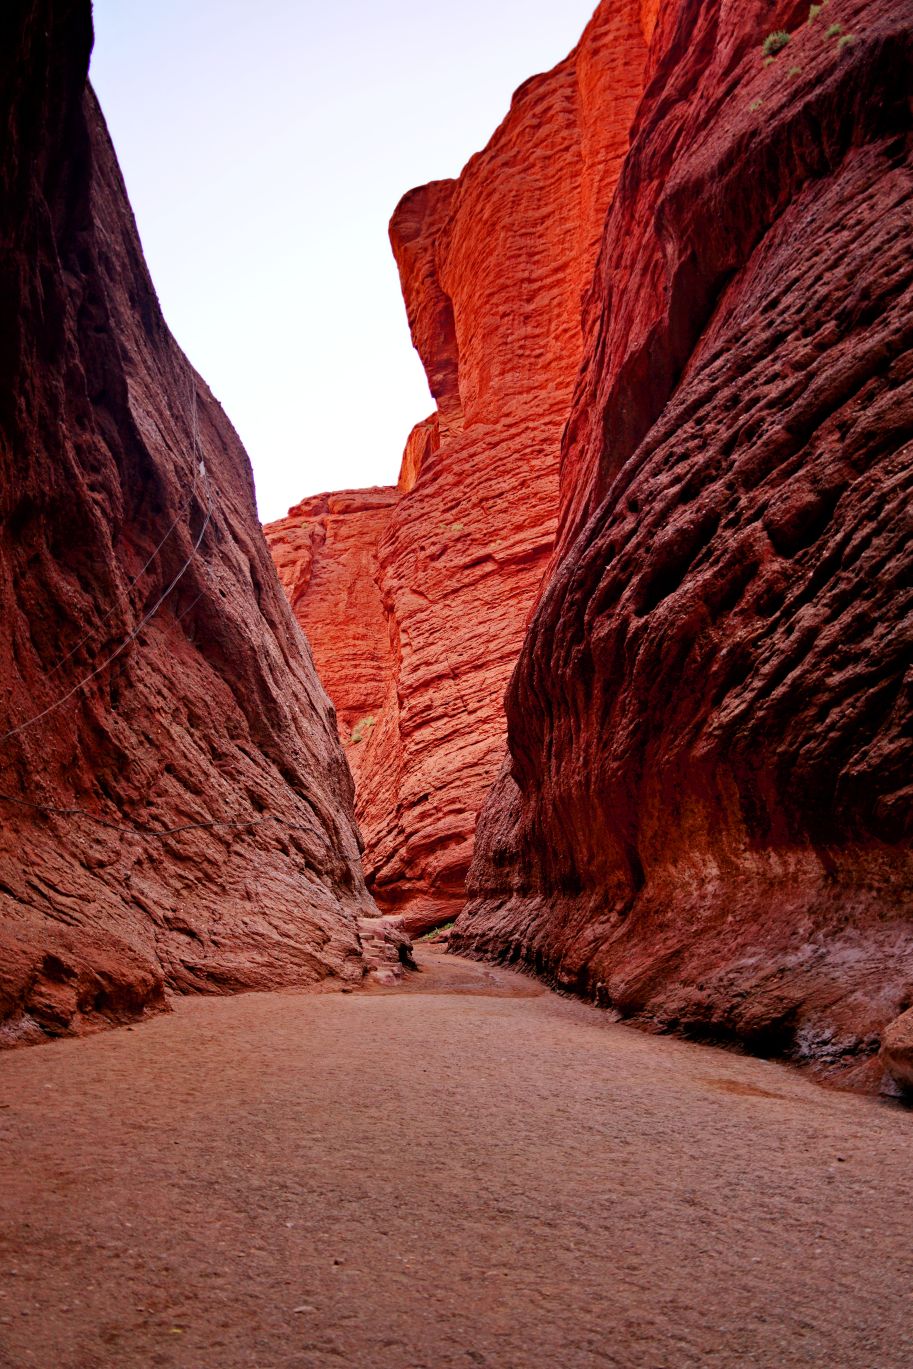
x=494, y=266
x=705, y=817
x=209, y=723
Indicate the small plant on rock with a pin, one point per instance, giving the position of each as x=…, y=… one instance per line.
x=775, y=42
x=845, y=42
x=813, y=12
x=834, y=31
x=436, y=932
x=794, y=71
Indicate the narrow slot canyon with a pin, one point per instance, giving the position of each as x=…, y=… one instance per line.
x=469, y=921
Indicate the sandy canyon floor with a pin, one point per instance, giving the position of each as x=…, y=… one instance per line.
x=468, y=1171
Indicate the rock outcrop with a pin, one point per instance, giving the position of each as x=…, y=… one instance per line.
x=416, y=599
x=705, y=816
x=184, y=819
x=897, y=1051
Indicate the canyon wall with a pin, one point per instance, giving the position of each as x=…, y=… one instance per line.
x=183, y=819
x=704, y=818
x=416, y=598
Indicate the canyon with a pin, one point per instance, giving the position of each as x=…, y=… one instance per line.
x=415, y=598
x=676, y=487
x=638, y=606
x=704, y=820
x=617, y=680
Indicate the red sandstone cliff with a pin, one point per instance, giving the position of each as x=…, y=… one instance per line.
x=211, y=722
x=416, y=600
x=705, y=816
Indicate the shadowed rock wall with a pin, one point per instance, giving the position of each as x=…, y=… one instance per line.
x=212, y=721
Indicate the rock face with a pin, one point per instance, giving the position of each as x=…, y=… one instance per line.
x=897, y=1051
x=183, y=820
x=326, y=555
x=705, y=816
x=416, y=599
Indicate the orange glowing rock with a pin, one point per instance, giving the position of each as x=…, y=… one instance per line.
x=416, y=600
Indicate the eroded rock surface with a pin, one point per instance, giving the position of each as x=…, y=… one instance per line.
x=493, y=267
x=212, y=722
x=897, y=1051
x=705, y=816
x=326, y=552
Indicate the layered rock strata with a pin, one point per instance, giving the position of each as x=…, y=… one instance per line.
x=416, y=599
x=183, y=818
x=704, y=819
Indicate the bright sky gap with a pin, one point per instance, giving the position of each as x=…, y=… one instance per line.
x=264, y=150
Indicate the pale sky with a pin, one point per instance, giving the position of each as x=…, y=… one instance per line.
x=264, y=149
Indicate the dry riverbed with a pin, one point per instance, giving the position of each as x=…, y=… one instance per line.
x=466, y=1171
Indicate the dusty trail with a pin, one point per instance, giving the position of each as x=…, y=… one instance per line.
x=468, y=1172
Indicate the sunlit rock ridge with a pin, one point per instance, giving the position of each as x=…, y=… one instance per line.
x=415, y=599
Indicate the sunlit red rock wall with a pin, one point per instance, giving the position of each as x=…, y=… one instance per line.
x=214, y=713
x=494, y=266
x=705, y=816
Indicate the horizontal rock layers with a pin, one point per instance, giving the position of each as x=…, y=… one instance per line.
x=416, y=599
x=183, y=820
x=704, y=820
